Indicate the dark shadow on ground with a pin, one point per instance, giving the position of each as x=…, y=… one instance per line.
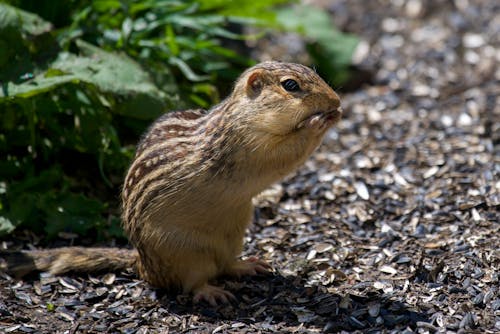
x=284, y=299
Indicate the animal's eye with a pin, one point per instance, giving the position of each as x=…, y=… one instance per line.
x=290, y=85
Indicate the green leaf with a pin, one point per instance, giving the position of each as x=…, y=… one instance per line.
x=6, y=226
x=331, y=49
x=186, y=70
x=22, y=21
x=109, y=72
x=259, y=9
x=15, y=47
x=73, y=213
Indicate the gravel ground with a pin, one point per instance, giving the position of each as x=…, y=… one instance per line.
x=391, y=227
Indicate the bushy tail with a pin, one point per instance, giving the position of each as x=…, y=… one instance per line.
x=62, y=260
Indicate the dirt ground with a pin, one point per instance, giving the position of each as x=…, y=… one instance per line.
x=391, y=227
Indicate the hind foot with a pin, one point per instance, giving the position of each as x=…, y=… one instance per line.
x=212, y=295
x=249, y=267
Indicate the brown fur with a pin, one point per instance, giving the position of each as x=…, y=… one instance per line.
x=187, y=195
x=65, y=259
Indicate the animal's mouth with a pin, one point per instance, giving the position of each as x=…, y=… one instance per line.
x=320, y=119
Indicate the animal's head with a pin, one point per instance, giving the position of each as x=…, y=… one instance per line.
x=280, y=99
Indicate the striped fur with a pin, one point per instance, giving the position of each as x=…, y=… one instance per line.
x=187, y=195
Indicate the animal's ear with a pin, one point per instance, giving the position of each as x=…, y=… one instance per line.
x=255, y=83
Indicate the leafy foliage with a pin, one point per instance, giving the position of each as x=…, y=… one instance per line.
x=76, y=92
x=329, y=47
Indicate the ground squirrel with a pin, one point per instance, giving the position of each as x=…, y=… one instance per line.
x=187, y=195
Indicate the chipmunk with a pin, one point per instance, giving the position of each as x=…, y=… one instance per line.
x=187, y=196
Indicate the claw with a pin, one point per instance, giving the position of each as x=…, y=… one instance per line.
x=212, y=295
x=251, y=266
